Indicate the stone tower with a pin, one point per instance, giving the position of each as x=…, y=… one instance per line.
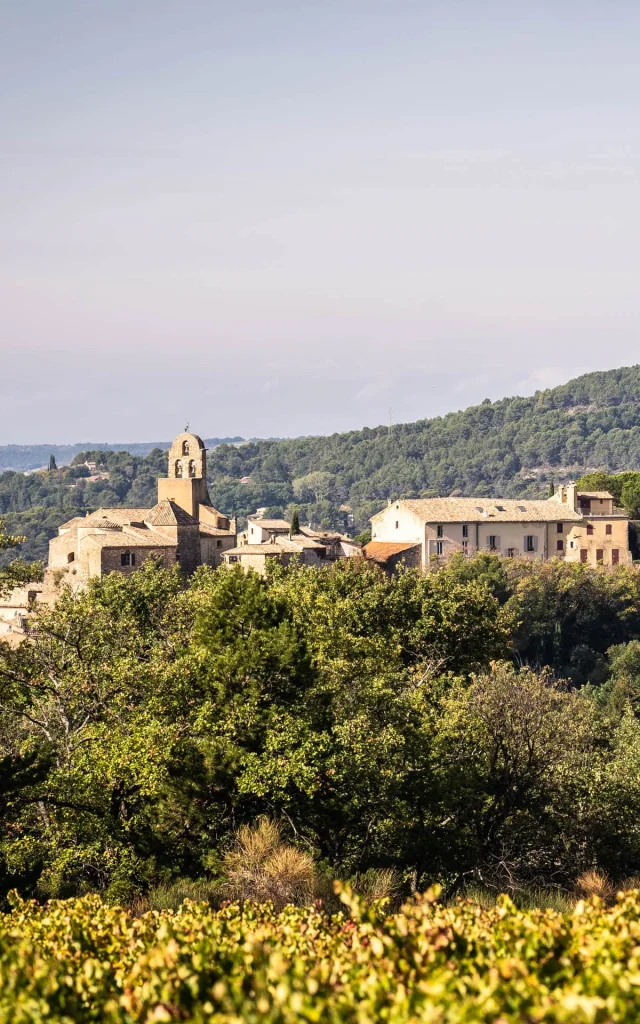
x=186, y=482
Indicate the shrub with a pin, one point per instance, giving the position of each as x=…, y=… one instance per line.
x=261, y=867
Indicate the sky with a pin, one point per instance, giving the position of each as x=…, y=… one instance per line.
x=284, y=217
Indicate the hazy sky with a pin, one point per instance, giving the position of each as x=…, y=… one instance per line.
x=276, y=218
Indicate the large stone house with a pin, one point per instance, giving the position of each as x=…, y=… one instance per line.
x=183, y=528
x=572, y=525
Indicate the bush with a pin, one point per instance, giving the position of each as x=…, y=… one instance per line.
x=261, y=867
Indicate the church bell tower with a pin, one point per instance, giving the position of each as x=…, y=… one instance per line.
x=186, y=482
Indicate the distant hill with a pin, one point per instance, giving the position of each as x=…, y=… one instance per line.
x=511, y=447
x=507, y=448
x=23, y=458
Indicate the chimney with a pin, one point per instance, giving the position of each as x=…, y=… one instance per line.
x=572, y=496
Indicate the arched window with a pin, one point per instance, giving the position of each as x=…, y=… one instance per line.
x=192, y=468
x=71, y=557
x=178, y=468
x=185, y=447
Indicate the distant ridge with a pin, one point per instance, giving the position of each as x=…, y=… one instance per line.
x=25, y=457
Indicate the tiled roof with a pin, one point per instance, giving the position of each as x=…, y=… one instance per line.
x=595, y=494
x=257, y=549
x=214, y=531
x=380, y=550
x=130, y=537
x=270, y=524
x=168, y=513
x=72, y=522
x=481, y=510
x=279, y=547
x=122, y=515
x=96, y=521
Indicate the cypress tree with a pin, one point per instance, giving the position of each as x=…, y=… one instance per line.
x=295, y=524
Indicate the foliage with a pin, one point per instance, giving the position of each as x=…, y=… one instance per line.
x=16, y=572
x=414, y=724
x=82, y=960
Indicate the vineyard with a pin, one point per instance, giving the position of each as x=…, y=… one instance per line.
x=81, y=960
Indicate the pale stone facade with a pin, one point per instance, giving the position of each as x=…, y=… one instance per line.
x=572, y=525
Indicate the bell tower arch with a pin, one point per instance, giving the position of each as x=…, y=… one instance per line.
x=186, y=480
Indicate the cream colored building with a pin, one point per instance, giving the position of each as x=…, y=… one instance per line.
x=582, y=527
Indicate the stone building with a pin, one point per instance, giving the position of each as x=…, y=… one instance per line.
x=575, y=526
x=266, y=539
x=183, y=528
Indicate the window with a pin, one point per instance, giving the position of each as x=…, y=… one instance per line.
x=397, y=524
x=583, y=554
x=522, y=508
x=511, y=552
x=599, y=555
x=127, y=558
x=529, y=543
x=185, y=447
x=589, y=529
x=500, y=508
x=491, y=541
x=178, y=468
x=218, y=543
x=233, y=558
x=559, y=527
x=192, y=468
x=465, y=530
x=615, y=556
x=439, y=531
x=465, y=547
x=439, y=547
x=71, y=556
x=585, y=504
x=608, y=529
x=560, y=545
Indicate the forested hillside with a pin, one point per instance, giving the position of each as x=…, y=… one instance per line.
x=512, y=447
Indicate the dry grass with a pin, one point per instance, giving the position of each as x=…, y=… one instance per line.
x=595, y=883
x=378, y=884
x=261, y=867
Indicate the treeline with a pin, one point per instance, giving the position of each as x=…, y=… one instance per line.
x=476, y=721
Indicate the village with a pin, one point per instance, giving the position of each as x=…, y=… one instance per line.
x=184, y=529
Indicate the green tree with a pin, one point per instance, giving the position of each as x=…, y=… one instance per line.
x=631, y=496
x=295, y=523
x=15, y=573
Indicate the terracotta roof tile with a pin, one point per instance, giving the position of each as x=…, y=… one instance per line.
x=380, y=550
